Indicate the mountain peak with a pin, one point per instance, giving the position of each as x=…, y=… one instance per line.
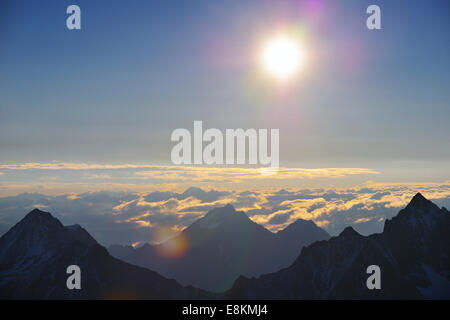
x=349, y=232
x=40, y=231
x=37, y=216
x=303, y=221
x=229, y=207
x=419, y=205
x=419, y=201
x=41, y=225
x=306, y=228
x=419, y=213
x=217, y=216
x=299, y=224
x=38, y=212
x=33, y=256
x=193, y=189
x=222, y=212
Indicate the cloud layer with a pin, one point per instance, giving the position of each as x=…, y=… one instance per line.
x=133, y=218
x=59, y=178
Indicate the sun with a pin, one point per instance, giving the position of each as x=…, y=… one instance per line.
x=282, y=57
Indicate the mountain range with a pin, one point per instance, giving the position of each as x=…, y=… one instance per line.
x=222, y=245
x=413, y=254
x=35, y=253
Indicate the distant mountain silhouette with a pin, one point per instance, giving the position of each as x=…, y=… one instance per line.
x=222, y=245
x=198, y=193
x=35, y=253
x=413, y=253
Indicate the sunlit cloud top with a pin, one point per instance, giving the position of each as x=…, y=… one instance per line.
x=61, y=178
x=136, y=218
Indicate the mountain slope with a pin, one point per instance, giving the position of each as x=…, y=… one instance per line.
x=35, y=253
x=120, y=252
x=224, y=244
x=294, y=237
x=412, y=252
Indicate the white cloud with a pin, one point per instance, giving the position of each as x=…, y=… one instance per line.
x=120, y=217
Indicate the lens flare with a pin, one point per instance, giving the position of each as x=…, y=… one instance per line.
x=170, y=247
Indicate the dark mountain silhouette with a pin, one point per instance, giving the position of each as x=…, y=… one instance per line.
x=413, y=253
x=35, y=253
x=222, y=245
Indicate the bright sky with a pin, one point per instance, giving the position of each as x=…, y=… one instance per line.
x=373, y=104
x=114, y=91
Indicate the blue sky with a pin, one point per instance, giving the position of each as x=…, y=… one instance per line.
x=86, y=116
x=114, y=91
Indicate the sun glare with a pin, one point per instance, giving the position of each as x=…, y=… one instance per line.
x=282, y=57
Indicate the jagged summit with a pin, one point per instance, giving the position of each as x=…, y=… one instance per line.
x=38, y=213
x=418, y=207
x=349, y=232
x=34, y=256
x=412, y=251
x=39, y=217
x=418, y=197
x=420, y=213
x=38, y=228
x=419, y=201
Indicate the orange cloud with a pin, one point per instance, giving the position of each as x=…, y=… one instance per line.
x=142, y=178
